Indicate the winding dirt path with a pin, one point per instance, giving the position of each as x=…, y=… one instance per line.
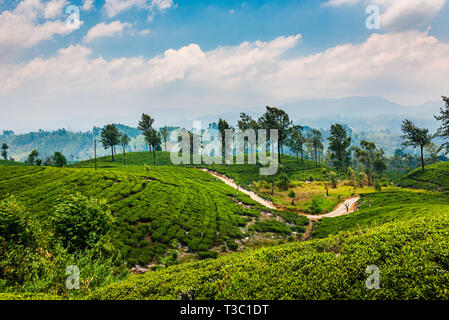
x=231, y=183
x=339, y=211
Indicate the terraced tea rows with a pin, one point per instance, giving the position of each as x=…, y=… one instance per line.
x=151, y=208
x=243, y=174
x=434, y=177
x=411, y=254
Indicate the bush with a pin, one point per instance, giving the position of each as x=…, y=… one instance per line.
x=80, y=222
x=202, y=255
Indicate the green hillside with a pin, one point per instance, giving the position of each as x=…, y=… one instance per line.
x=152, y=208
x=411, y=255
x=390, y=205
x=434, y=177
x=11, y=163
x=243, y=174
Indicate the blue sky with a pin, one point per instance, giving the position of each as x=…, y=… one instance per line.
x=191, y=57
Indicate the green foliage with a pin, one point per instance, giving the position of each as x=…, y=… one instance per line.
x=12, y=163
x=31, y=259
x=59, y=160
x=150, y=208
x=80, y=222
x=411, y=255
x=202, y=255
x=5, y=148
x=435, y=177
x=271, y=226
x=339, y=143
x=415, y=137
x=284, y=182
x=388, y=206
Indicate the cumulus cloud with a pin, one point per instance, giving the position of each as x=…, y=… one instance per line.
x=87, y=5
x=400, y=14
x=54, y=8
x=407, y=67
x=106, y=30
x=23, y=27
x=114, y=7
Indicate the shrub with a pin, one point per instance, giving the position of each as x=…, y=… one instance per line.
x=207, y=255
x=80, y=222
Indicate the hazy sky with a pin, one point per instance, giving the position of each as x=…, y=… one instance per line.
x=181, y=59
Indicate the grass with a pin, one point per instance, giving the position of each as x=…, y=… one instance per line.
x=11, y=163
x=411, y=254
x=434, y=177
x=243, y=174
x=310, y=196
x=151, y=208
x=384, y=207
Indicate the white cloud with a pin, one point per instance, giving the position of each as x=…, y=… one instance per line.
x=144, y=32
x=54, y=9
x=114, y=7
x=407, y=14
x=407, y=67
x=87, y=5
x=106, y=30
x=400, y=14
x=23, y=27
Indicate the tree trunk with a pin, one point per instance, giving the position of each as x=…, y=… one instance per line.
x=112, y=153
x=422, y=157
x=279, y=152
x=154, y=156
x=95, y=153
x=124, y=156
x=302, y=156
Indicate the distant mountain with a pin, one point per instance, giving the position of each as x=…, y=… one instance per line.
x=373, y=118
x=360, y=113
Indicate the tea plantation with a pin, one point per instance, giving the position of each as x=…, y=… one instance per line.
x=243, y=174
x=411, y=254
x=435, y=177
x=11, y=163
x=151, y=208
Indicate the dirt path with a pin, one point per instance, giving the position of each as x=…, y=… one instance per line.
x=339, y=211
x=231, y=183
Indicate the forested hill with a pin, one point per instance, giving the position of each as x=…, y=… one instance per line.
x=79, y=146
x=76, y=146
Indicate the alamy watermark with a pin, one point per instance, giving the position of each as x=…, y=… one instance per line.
x=372, y=22
x=73, y=17
x=208, y=147
x=373, y=280
x=73, y=279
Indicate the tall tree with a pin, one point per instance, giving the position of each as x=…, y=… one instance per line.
x=152, y=137
x=369, y=156
x=124, y=141
x=110, y=137
x=415, y=137
x=32, y=157
x=315, y=140
x=5, y=147
x=443, y=130
x=246, y=122
x=164, y=136
x=59, y=160
x=339, y=143
x=296, y=141
x=222, y=126
x=275, y=118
